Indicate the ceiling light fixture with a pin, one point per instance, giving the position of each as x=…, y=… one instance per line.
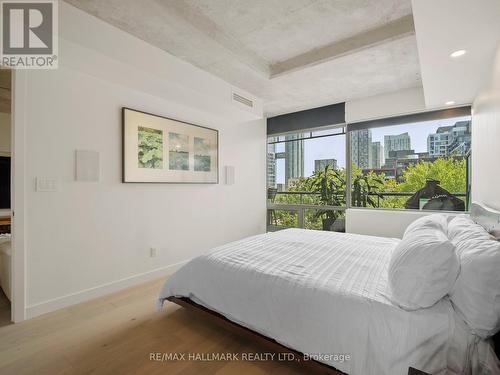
x=458, y=53
x=451, y=102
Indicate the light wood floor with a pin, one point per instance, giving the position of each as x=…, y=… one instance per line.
x=116, y=334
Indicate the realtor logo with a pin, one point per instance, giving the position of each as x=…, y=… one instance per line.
x=29, y=34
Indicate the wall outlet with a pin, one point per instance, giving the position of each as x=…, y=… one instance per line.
x=152, y=252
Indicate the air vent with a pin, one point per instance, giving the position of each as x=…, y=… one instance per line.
x=241, y=99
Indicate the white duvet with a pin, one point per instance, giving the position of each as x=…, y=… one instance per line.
x=325, y=293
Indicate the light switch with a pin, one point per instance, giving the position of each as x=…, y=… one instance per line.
x=47, y=184
x=87, y=166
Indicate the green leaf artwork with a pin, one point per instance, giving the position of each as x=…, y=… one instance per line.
x=150, y=148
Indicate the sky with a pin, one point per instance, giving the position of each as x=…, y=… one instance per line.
x=334, y=147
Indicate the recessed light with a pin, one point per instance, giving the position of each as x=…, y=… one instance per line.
x=458, y=53
x=451, y=102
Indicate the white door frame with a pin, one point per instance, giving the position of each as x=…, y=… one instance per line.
x=18, y=193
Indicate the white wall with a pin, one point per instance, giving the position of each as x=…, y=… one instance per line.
x=385, y=105
x=485, y=143
x=90, y=238
x=5, y=134
x=99, y=49
x=385, y=223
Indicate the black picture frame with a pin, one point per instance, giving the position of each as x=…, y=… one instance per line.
x=125, y=150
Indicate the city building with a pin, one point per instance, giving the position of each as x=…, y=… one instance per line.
x=361, y=148
x=294, y=157
x=271, y=166
x=452, y=140
x=396, y=143
x=320, y=165
x=398, y=161
x=401, y=158
x=377, y=155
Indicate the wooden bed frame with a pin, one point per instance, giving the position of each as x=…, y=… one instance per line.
x=266, y=342
x=485, y=216
x=312, y=366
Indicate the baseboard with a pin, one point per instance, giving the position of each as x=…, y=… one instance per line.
x=99, y=291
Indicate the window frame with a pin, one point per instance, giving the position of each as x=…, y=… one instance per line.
x=349, y=127
x=342, y=126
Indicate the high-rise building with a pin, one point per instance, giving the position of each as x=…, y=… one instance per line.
x=361, y=143
x=452, y=140
x=396, y=143
x=377, y=157
x=271, y=166
x=294, y=157
x=401, y=157
x=399, y=160
x=320, y=165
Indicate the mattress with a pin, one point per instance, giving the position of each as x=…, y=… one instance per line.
x=325, y=294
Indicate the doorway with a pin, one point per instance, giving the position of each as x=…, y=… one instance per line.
x=5, y=195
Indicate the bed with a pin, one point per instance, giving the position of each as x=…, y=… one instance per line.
x=324, y=294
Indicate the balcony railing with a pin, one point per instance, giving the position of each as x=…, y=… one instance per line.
x=379, y=195
x=302, y=215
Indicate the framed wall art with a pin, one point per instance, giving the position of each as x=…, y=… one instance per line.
x=160, y=149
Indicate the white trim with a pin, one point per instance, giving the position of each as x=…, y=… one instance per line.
x=18, y=191
x=99, y=291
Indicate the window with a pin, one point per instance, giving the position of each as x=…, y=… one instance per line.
x=297, y=166
x=419, y=165
x=419, y=161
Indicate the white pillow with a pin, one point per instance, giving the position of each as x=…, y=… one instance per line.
x=462, y=228
x=423, y=269
x=476, y=294
x=434, y=221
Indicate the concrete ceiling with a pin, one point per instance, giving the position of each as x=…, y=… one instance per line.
x=294, y=54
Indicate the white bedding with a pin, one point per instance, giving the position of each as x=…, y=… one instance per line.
x=325, y=293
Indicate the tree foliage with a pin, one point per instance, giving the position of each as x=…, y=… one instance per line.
x=329, y=187
x=450, y=172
